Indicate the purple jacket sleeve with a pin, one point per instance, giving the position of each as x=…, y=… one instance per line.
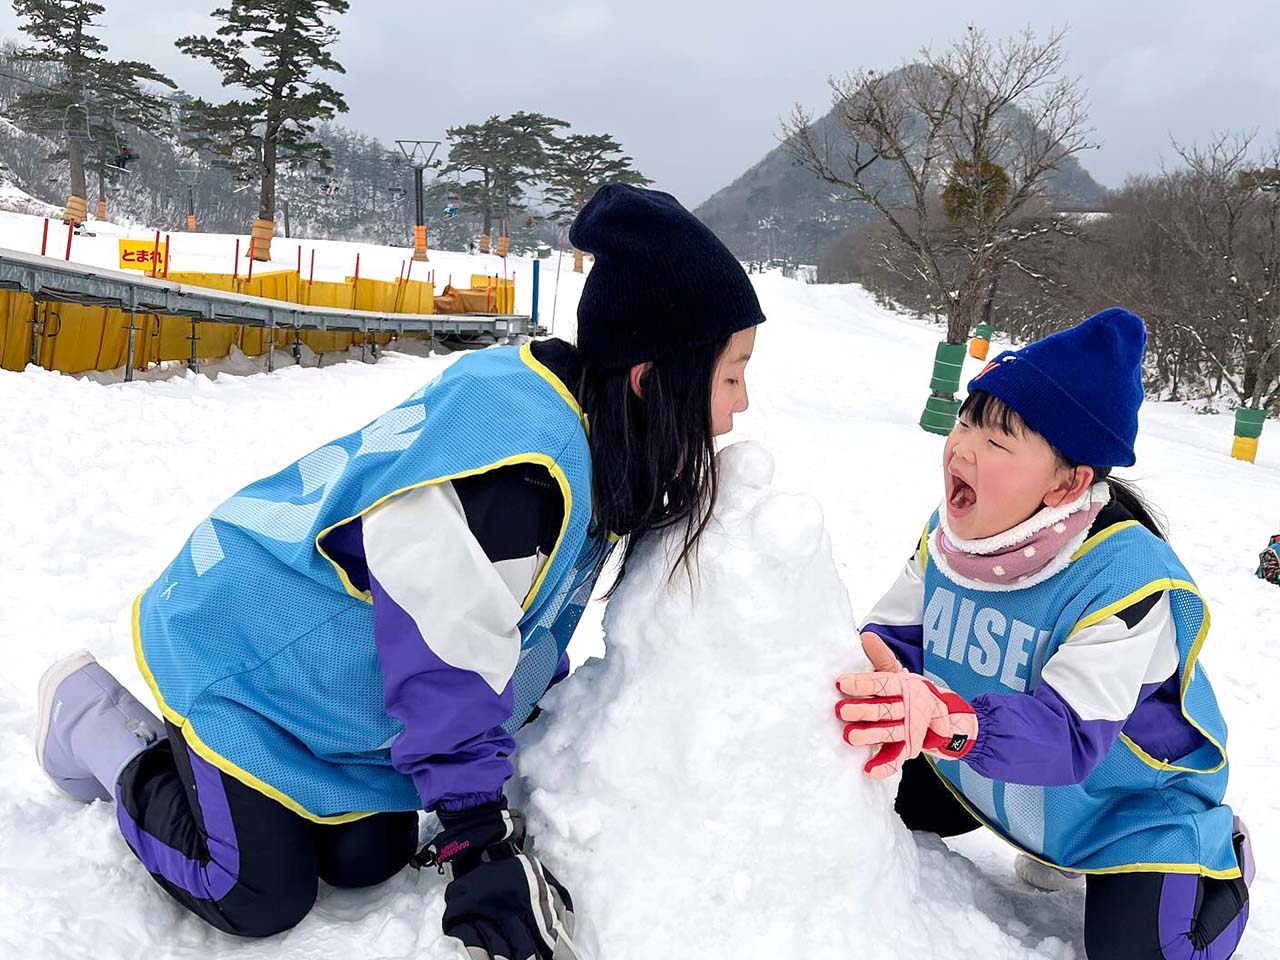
x=452, y=745
x=1037, y=738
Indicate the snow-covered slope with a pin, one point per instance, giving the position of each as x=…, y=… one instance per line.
x=102, y=483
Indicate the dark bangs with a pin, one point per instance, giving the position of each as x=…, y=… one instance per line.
x=985, y=410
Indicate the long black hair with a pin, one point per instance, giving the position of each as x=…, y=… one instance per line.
x=653, y=455
x=991, y=413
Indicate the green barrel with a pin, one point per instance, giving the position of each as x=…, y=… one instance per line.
x=939, y=415
x=947, y=364
x=984, y=331
x=1249, y=422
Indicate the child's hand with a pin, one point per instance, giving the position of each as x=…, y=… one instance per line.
x=881, y=656
x=902, y=714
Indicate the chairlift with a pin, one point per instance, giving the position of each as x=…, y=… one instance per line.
x=451, y=205
x=329, y=189
x=75, y=123
x=123, y=158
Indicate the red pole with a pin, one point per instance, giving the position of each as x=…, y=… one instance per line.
x=401, y=277
x=155, y=253
x=166, y=256
x=410, y=273
x=44, y=240
x=299, y=260
x=249, y=278
x=355, y=284
x=70, y=229
x=235, y=274
x=312, y=278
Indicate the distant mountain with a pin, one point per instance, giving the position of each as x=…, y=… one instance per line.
x=777, y=209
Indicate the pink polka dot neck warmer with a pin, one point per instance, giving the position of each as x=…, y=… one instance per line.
x=1023, y=556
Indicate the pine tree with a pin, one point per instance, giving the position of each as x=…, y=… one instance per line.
x=503, y=155
x=579, y=165
x=274, y=50
x=93, y=97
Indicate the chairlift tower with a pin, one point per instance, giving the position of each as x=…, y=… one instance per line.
x=190, y=177
x=419, y=157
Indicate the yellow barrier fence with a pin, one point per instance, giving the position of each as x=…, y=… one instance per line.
x=73, y=338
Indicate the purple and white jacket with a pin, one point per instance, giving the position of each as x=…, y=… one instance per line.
x=1118, y=676
x=490, y=535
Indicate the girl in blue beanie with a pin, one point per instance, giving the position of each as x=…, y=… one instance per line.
x=1041, y=648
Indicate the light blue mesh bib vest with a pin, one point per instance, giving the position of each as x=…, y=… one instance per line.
x=262, y=650
x=1134, y=812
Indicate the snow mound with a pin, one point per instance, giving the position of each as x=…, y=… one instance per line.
x=708, y=808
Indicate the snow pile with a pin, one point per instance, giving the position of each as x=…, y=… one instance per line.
x=708, y=807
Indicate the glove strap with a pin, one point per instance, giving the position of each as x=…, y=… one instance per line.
x=469, y=837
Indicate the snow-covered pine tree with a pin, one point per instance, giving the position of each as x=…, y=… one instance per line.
x=499, y=158
x=275, y=51
x=93, y=97
x=577, y=166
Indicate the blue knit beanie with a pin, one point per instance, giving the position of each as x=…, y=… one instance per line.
x=1080, y=389
x=662, y=281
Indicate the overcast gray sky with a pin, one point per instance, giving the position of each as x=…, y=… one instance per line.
x=694, y=89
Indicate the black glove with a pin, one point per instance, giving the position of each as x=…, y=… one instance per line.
x=501, y=902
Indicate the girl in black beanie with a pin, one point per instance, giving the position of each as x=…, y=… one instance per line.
x=358, y=636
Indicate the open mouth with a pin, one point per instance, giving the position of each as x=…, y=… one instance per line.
x=962, y=497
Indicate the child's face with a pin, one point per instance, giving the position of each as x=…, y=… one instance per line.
x=996, y=480
x=729, y=383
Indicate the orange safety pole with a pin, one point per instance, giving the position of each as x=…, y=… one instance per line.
x=166, y=256
x=235, y=273
x=44, y=240
x=70, y=230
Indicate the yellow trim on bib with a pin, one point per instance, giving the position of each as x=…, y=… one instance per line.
x=526, y=354
x=1101, y=535
x=541, y=459
x=1197, y=869
x=562, y=481
x=1158, y=586
x=206, y=752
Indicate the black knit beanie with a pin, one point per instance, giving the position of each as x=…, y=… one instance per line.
x=662, y=281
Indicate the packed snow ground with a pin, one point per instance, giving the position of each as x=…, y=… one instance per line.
x=792, y=853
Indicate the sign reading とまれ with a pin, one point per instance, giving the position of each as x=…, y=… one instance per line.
x=142, y=255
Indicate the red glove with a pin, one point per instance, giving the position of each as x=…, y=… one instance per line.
x=903, y=714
